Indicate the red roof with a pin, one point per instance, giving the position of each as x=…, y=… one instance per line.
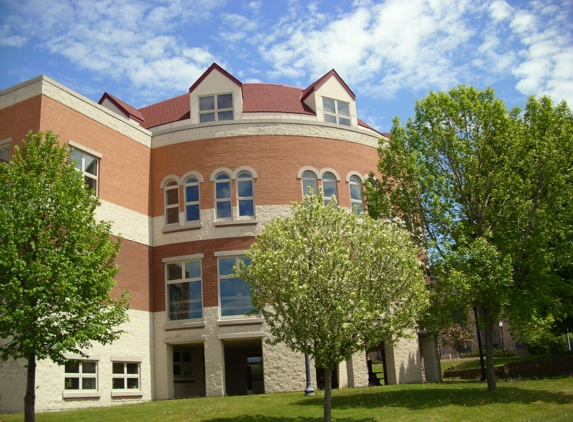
x=166, y=111
x=268, y=98
x=132, y=112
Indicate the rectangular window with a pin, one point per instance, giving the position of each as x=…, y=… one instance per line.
x=182, y=364
x=184, y=294
x=88, y=165
x=216, y=108
x=80, y=375
x=125, y=376
x=5, y=150
x=336, y=111
x=234, y=293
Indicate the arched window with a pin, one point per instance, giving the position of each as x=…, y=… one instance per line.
x=245, y=194
x=356, y=202
x=171, y=203
x=223, y=196
x=192, y=209
x=309, y=180
x=329, y=187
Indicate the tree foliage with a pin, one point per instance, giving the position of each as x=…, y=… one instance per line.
x=487, y=192
x=56, y=261
x=330, y=283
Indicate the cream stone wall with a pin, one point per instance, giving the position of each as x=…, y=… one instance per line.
x=130, y=224
x=133, y=346
x=216, y=83
x=403, y=361
x=432, y=370
x=187, y=132
x=284, y=369
x=56, y=91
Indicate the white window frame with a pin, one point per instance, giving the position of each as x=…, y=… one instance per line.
x=84, y=154
x=125, y=376
x=171, y=185
x=330, y=178
x=355, y=180
x=182, y=261
x=188, y=203
x=80, y=376
x=305, y=177
x=337, y=116
x=237, y=256
x=233, y=199
x=227, y=199
x=251, y=198
x=216, y=111
x=5, y=145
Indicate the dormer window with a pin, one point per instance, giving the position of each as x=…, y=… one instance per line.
x=215, y=108
x=336, y=111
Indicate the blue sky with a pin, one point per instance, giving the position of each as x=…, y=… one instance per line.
x=389, y=52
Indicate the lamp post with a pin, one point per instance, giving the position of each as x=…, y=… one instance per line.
x=501, y=337
x=309, y=390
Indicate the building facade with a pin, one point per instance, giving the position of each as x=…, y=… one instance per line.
x=188, y=183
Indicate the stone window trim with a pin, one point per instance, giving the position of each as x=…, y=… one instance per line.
x=80, y=392
x=169, y=182
x=91, y=174
x=186, y=297
x=216, y=107
x=5, y=146
x=126, y=382
x=231, y=213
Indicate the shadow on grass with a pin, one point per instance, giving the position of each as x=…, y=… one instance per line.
x=263, y=418
x=429, y=397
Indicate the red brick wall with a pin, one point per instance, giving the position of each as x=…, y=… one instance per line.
x=16, y=121
x=209, y=266
x=134, y=260
x=276, y=159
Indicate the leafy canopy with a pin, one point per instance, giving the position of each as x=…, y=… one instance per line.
x=56, y=261
x=330, y=283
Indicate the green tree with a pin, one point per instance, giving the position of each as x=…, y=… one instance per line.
x=486, y=191
x=56, y=261
x=330, y=283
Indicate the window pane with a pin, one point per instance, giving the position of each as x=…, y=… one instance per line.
x=343, y=108
x=225, y=101
x=246, y=208
x=329, y=190
x=192, y=212
x=306, y=184
x=245, y=188
x=172, y=215
x=72, y=384
x=88, y=383
x=132, y=383
x=191, y=180
x=207, y=103
x=176, y=356
x=174, y=271
x=223, y=189
x=206, y=117
x=92, y=183
x=117, y=368
x=329, y=119
x=132, y=368
x=328, y=105
x=235, y=297
x=186, y=357
x=226, y=266
x=192, y=193
x=91, y=164
x=77, y=157
x=176, y=369
x=359, y=207
x=355, y=190
x=186, y=370
x=225, y=115
x=224, y=209
x=72, y=367
x=185, y=301
x=172, y=196
x=343, y=121
x=222, y=176
x=193, y=269
x=118, y=384
x=89, y=367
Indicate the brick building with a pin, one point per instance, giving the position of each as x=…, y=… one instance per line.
x=189, y=182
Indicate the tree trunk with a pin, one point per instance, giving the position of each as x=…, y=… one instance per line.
x=327, y=394
x=30, y=397
x=489, y=364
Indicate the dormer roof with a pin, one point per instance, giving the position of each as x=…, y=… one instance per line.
x=213, y=67
x=273, y=98
x=129, y=111
x=316, y=85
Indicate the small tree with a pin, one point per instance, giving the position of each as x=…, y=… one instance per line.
x=457, y=337
x=56, y=262
x=330, y=283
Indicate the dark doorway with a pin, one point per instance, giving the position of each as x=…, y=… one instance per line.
x=188, y=371
x=244, y=372
x=376, y=361
x=320, y=378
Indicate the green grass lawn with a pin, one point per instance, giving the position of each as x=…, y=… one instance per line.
x=529, y=400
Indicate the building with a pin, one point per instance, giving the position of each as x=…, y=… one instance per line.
x=188, y=182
